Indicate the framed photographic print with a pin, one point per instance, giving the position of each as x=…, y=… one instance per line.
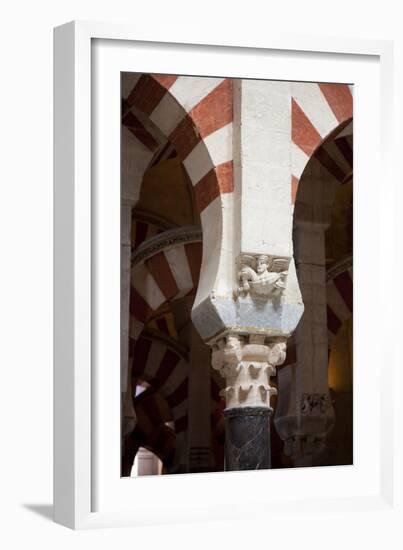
x=218, y=226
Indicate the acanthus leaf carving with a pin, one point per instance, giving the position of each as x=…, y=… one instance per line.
x=247, y=365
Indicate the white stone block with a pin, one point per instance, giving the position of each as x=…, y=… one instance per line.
x=167, y=114
x=198, y=163
x=265, y=165
x=311, y=100
x=135, y=160
x=190, y=90
x=125, y=224
x=144, y=283
x=179, y=265
x=129, y=80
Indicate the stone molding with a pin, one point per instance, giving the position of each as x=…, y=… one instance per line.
x=261, y=275
x=249, y=411
x=169, y=238
x=140, y=215
x=340, y=267
x=157, y=335
x=247, y=363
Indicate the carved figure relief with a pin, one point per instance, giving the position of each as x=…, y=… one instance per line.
x=314, y=404
x=262, y=275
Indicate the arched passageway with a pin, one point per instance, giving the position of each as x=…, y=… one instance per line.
x=172, y=225
x=201, y=171
x=308, y=409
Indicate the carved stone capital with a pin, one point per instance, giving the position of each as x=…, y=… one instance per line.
x=261, y=275
x=247, y=363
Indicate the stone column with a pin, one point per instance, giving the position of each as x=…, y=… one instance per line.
x=307, y=417
x=135, y=157
x=128, y=416
x=199, y=457
x=247, y=363
x=248, y=302
x=198, y=434
x=148, y=463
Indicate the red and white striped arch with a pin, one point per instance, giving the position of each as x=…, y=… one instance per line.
x=151, y=431
x=318, y=110
x=152, y=412
x=167, y=371
x=142, y=230
x=167, y=275
x=339, y=299
x=164, y=322
x=195, y=114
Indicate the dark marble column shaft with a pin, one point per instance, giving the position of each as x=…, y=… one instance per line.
x=247, y=438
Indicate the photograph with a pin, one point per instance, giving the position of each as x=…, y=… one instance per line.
x=210, y=306
x=236, y=255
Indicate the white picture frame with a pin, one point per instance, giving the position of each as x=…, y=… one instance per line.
x=85, y=495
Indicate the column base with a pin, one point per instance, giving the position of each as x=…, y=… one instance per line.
x=247, y=438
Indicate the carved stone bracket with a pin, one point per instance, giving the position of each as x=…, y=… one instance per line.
x=247, y=363
x=261, y=275
x=339, y=267
x=304, y=447
x=304, y=434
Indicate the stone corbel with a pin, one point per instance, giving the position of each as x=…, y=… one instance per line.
x=305, y=435
x=302, y=448
x=247, y=363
